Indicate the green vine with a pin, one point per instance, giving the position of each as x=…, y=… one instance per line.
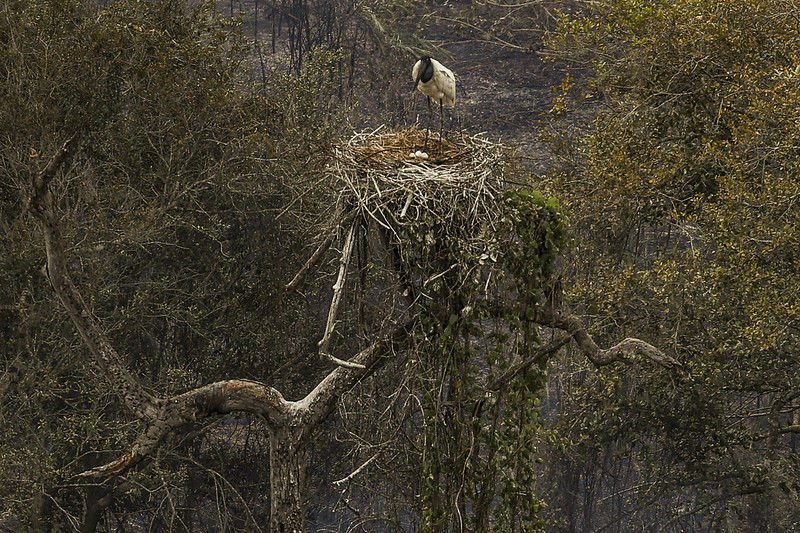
x=540, y=235
x=487, y=452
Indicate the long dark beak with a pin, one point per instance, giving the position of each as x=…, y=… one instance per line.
x=419, y=76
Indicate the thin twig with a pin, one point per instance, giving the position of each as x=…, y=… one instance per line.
x=357, y=471
x=318, y=253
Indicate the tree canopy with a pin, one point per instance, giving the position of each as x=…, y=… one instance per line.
x=168, y=212
x=682, y=179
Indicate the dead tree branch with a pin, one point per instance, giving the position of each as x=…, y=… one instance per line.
x=518, y=368
x=42, y=204
x=214, y=399
x=323, y=247
x=162, y=416
x=311, y=263
x=338, y=290
x=627, y=351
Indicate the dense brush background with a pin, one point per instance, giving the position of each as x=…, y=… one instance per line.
x=664, y=129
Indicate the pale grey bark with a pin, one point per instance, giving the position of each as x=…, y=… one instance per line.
x=289, y=423
x=628, y=350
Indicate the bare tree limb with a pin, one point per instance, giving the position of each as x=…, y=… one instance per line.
x=628, y=350
x=357, y=471
x=321, y=401
x=311, y=263
x=214, y=399
x=338, y=290
x=42, y=205
x=517, y=369
x=320, y=251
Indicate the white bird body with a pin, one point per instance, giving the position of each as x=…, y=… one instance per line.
x=435, y=81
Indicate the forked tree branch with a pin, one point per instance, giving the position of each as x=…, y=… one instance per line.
x=162, y=416
x=215, y=399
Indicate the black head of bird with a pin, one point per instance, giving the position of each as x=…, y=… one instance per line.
x=424, y=72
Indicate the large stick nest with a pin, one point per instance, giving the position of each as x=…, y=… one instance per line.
x=452, y=197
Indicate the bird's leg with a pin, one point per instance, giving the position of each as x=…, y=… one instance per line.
x=441, y=123
x=428, y=128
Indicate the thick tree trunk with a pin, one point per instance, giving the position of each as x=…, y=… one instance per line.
x=288, y=461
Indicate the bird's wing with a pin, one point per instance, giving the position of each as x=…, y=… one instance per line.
x=448, y=86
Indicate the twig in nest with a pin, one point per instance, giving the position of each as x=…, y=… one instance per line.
x=408, y=203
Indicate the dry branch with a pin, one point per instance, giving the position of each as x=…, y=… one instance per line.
x=627, y=351
x=315, y=258
x=42, y=204
x=214, y=399
x=338, y=290
x=311, y=262
x=164, y=415
x=521, y=367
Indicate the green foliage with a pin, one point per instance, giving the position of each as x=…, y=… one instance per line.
x=480, y=452
x=682, y=190
x=479, y=460
x=540, y=229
